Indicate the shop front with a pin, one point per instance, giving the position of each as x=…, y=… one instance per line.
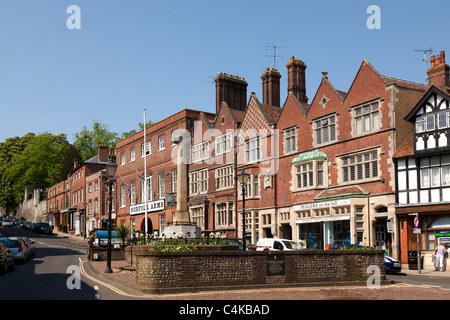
x=433, y=228
x=324, y=233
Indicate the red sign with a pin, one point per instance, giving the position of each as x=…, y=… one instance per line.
x=416, y=222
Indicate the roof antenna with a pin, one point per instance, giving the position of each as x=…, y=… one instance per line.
x=429, y=50
x=274, y=55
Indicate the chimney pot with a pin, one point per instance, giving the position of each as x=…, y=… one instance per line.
x=271, y=87
x=232, y=90
x=296, y=79
x=438, y=74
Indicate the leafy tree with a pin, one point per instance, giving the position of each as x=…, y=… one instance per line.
x=70, y=155
x=8, y=149
x=87, y=141
x=37, y=166
x=141, y=127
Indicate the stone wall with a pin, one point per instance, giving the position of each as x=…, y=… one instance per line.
x=101, y=253
x=157, y=271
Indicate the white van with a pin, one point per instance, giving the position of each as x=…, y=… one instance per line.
x=273, y=244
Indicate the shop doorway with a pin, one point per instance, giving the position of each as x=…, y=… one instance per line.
x=286, y=231
x=382, y=237
x=149, y=226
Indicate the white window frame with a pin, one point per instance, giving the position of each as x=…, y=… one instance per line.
x=224, y=177
x=290, y=140
x=253, y=150
x=149, y=149
x=224, y=143
x=325, y=130
x=367, y=118
x=360, y=166
x=162, y=143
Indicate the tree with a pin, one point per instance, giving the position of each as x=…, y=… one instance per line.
x=8, y=149
x=37, y=165
x=141, y=127
x=70, y=155
x=87, y=141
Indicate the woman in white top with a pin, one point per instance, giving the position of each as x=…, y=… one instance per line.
x=439, y=252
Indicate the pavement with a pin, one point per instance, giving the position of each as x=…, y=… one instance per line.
x=125, y=278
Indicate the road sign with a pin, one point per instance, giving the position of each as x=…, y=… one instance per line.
x=416, y=222
x=417, y=231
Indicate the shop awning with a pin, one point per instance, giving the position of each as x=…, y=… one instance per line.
x=310, y=156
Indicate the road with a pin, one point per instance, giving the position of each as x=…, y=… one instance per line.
x=49, y=277
x=54, y=273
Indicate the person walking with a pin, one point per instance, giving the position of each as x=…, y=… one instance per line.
x=439, y=252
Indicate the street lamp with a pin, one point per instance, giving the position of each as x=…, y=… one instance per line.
x=243, y=179
x=110, y=171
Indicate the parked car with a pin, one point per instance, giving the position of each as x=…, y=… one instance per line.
x=101, y=238
x=17, y=247
x=30, y=245
x=273, y=244
x=392, y=265
x=7, y=223
x=6, y=259
x=42, y=227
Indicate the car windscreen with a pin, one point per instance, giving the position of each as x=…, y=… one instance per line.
x=292, y=245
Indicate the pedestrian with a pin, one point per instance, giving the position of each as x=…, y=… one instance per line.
x=91, y=238
x=439, y=253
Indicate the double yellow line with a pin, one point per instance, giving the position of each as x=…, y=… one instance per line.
x=84, y=273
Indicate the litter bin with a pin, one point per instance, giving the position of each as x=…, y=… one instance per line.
x=412, y=260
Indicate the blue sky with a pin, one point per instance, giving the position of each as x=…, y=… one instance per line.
x=163, y=55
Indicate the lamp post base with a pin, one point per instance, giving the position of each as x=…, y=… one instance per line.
x=108, y=270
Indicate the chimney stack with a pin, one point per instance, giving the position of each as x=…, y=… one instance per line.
x=232, y=90
x=296, y=79
x=102, y=153
x=271, y=87
x=438, y=74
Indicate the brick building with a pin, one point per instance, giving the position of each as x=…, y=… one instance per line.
x=423, y=167
x=336, y=178
x=160, y=154
x=58, y=202
x=73, y=202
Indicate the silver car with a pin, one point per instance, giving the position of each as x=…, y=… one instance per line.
x=30, y=245
x=18, y=248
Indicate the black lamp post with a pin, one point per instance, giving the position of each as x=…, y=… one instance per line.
x=243, y=179
x=110, y=170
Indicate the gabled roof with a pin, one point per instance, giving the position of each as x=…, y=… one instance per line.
x=406, y=149
x=270, y=114
x=236, y=115
x=340, y=94
x=424, y=99
x=390, y=80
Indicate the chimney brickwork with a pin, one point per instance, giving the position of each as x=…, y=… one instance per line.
x=438, y=74
x=296, y=79
x=232, y=90
x=271, y=87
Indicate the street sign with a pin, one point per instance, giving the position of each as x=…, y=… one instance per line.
x=416, y=222
x=417, y=230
